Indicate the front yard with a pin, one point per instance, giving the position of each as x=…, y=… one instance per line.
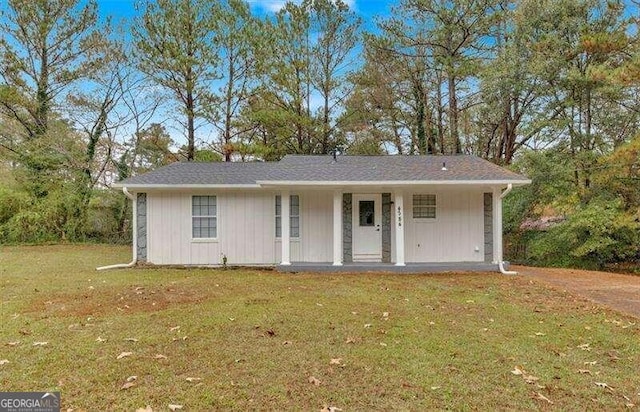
x=242, y=339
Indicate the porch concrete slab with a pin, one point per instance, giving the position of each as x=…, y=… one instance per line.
x=390, y=267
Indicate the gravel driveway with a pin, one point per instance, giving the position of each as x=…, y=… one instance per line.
x=620, y=292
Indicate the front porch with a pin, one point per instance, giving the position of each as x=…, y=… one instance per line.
x=436, y=267
x=374, y=229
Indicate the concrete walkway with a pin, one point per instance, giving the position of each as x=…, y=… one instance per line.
x=620, y=292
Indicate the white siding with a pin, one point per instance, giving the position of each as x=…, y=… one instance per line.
x=294, y=252
x=317, y=227
x=246, y=229
x=455, y=233
x=169, y=228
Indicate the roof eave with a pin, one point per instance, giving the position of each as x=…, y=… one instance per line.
x=497, y=182
x=185, y=186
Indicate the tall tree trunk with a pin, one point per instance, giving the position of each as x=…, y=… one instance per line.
x=453, y=113
x=42, y=95
x=191, y=147
x=440, y=115
x=420, y=119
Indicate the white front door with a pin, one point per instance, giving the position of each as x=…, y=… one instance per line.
x=367, y=228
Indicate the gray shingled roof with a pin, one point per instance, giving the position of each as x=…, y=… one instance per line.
x=299, y=168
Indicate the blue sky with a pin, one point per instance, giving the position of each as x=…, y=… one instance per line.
x=367, y=9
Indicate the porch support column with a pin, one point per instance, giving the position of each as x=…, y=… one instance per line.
x=337, y=228
x=285, y=202
x=497, y=225
x=398, y=206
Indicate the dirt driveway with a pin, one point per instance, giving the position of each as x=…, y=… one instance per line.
x=620, y=292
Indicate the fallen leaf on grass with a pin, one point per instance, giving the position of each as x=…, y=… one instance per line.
x=132, y=378
x=383, y=344
x=175, y=328
x=584, y=346
x=603, y=385
x=40, y=343
x=100, y=340
x=4, y=362
x=286, y=342
x=435, y=388
x=159, y=356
x=124, y=355
x=540, y=334
x=584, y=371
x=175, y=407
x=541, y=397
x=367, y=325
x=314, y=381
x=131, y=340
x=147, y=409
x=519, y=371
x=591, y=363
x=335, y=361
x=127, y=385
x=350, y=340
x=385, y=314
x=193, y=379
x=330, y=409
x=15, y=343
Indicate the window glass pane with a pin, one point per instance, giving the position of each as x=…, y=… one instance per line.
x=204, y=227
x=294, y=216
x=295, y=226
x=366, y=210
x=424, y=206
x=203, y=206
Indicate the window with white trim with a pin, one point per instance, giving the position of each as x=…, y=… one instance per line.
x=294, y=216
x=204, y=221
x=424, y=206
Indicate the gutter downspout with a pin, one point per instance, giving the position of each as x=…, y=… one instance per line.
x=500, y=261
x=134, y=212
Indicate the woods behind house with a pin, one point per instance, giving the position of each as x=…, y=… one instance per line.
x=546, y=87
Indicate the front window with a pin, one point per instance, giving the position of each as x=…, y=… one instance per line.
x=204, y=222
x=294, y=218
x=424, y=206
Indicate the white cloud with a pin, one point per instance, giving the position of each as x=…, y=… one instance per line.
x=274, y=6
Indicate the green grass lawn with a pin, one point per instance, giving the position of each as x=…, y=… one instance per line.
x=242, y=339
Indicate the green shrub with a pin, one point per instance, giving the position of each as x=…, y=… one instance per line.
x=597, y=233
